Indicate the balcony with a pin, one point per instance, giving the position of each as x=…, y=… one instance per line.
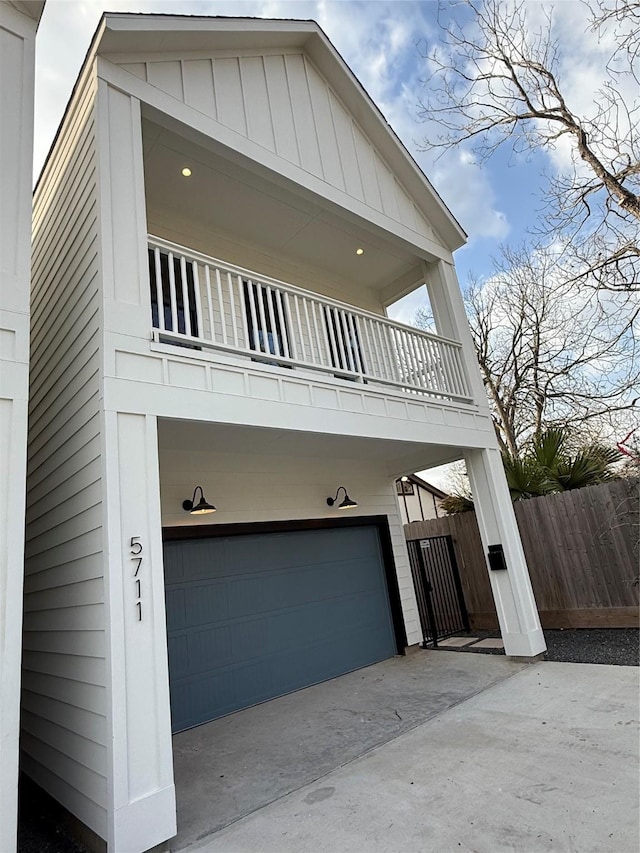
x=201, y=303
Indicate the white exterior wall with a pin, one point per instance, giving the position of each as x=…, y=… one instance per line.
x=257, y=487
x=17, y=57
x=282, y=103
x=65, y=738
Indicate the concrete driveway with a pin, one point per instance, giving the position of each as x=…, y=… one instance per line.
x=438, y=752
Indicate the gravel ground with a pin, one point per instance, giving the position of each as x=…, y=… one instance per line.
x=42, y=830
x=613, y=646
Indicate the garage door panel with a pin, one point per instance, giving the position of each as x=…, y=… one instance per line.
x=253, y=617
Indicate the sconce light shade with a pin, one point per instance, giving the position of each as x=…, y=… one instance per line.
x=347, y=503
x=200, y=508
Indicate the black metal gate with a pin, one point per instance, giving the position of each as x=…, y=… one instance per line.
x=438, y=589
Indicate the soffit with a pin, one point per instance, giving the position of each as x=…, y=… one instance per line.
x=222, y=198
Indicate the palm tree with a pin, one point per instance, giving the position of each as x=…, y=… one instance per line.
x=548, y=465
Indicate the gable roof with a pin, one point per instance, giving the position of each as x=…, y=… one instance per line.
x=418, y=481
x=405, y=194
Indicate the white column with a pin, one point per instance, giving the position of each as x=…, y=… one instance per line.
x=512, y=592
x=451, y=321
x=142, y=813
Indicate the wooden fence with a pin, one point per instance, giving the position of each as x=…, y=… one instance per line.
x=581, y=548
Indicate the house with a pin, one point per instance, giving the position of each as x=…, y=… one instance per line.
x=417, y=499
x=18, y=23
x=218, y=229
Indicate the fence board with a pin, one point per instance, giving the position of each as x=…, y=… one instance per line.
x=581, y=548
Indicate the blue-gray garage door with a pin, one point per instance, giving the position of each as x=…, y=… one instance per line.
x=253, y=617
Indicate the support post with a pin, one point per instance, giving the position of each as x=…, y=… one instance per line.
x=143, y=808
x=512, y=592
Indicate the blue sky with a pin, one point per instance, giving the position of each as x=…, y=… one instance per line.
x=382, y=42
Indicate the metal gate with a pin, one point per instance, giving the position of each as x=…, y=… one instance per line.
x=438, y=589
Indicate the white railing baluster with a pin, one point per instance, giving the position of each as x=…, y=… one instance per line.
x=159, y=288
x=254, y=339
x=321, y=333
x=264, y=342
x=296, y=302
x=289, y=352
x=448, y=370
x=357, y=343
x=461, y=383
x=172, y=295
x=212, y=319
x=186, y=302
x=343, y=339
x=232, y=304
x=223, y=313
x=334, y=354
x=294, y=327
x=196, y=292
x=275, y=337
x=315, y=353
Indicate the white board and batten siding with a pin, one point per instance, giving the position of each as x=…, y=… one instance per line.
x=64, y=739
x=282, y=103
x=17, y=58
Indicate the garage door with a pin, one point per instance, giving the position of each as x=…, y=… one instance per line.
x=253, y=617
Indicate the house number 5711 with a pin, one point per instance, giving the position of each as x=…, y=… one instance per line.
x=135, y=549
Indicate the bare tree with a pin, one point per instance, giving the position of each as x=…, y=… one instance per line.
x=551, y=353
x=497, y=79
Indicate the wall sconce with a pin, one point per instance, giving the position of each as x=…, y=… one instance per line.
x=347, y=503
x=200, y=508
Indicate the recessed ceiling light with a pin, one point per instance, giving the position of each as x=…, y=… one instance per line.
x=186, y=172
x=359, y=251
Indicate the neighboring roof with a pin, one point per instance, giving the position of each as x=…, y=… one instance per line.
x=418, y=481
x=144, y=34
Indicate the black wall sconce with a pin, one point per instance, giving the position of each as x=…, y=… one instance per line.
x=347, y=503
x=200, y=508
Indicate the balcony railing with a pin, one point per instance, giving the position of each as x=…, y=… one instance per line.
x=203, y=303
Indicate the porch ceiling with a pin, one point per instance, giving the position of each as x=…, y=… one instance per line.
x=397, y=457
x=221, y=197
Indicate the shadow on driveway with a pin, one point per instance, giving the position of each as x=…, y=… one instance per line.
x=228, y=768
